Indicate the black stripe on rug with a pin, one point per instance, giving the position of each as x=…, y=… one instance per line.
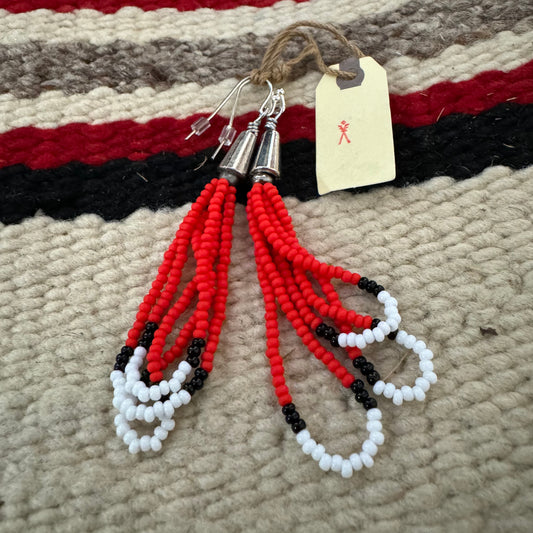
x=460, y=146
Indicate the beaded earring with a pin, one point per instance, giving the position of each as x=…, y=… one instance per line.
x=285, y=270
x=141, y=393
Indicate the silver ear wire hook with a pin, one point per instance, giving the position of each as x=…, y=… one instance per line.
x=203, y=123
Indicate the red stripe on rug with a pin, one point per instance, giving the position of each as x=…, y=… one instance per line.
x=95, y=144
x=112, y=6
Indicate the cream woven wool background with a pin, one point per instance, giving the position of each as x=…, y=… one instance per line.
x=457, y=255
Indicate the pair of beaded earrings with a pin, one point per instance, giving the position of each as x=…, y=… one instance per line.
x=288, y=275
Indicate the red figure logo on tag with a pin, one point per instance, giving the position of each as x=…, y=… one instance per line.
x=343, y=126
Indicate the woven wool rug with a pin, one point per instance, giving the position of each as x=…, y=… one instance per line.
x=96, y=97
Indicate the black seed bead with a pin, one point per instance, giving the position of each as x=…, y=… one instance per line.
x=127, y=350
x=121, y=358
x=330, y=333
x=375, y=323
x=357, y=386
x=392, y=335
x=370, y=286
x=165, y=398
x=321, y=329
x=370, y=404
x=299, y=426
x=147, y=335
x=195, y=351
x=151, y=326
x=366, y=368
x=119, y=366
x=373, y=377
x=189, y=388
x=145, y=376
x=201, y=373
x=358, y=361
x=198, y=341
x=145, y=343
x=378, y=289
x=363, y=282
x=288, y=408
x=361, y=396
x=197, y=383
x=193, y=361
x=293, y=417
x=334, y=341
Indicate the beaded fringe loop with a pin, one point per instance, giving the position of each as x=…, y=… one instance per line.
x=140, y=392
x=285, y=270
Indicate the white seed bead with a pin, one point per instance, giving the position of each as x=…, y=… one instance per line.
x=144, y=395
x=389, y=389
x=373, y=414
x=426, y=366
x=119, y=419
x=135, y=446
x=425, y=355
x=159, y=412
x=122, y=429
x=379, y=387
x=168, y=424
x=168, y=409
x=383, y=296
x=346, y=468
x=115, y=374
x=368, y=336
x=407, y=393
x=136, y=388
x=155, y=444
x=430, y=376
x=184, y=396
x=336, y=463
x=409, y=341
x=160, y=433
x=422, y=383
x=133, y=375
x=419, y=346
x=119, y=382
x=139, y=414
x=175, y=400
x=366, y=459
x=318, y=452
x=125, y=404
x=185, y=367
x=369, y=447
x=302, y=437
x=129, y=436
x=383, y=326
x=397, y=397
x=391, y=301
x=131, y=411
x=342, y=340
x=351, y=339
x=149, y=414
x=378, y=334
x=374, y=425
x=180, y=376
x=393, y=324
x=164, y=387
x=356, y=462
x=145, y=443
x=140, y=351
x=401, y=336
x=325, y=462
x=395, y=316
x=360, y=341
x=390, y=310
x=309, y=446
x=420, y=395
x=155, y=393
x=117, y=401
x=377, y=437
x=174, y=385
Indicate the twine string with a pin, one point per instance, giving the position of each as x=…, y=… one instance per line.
x=277, y=69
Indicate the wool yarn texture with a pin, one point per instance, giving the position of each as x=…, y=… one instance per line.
x=95, y=100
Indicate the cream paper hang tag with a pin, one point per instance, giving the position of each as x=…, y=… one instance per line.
x=354, y=145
